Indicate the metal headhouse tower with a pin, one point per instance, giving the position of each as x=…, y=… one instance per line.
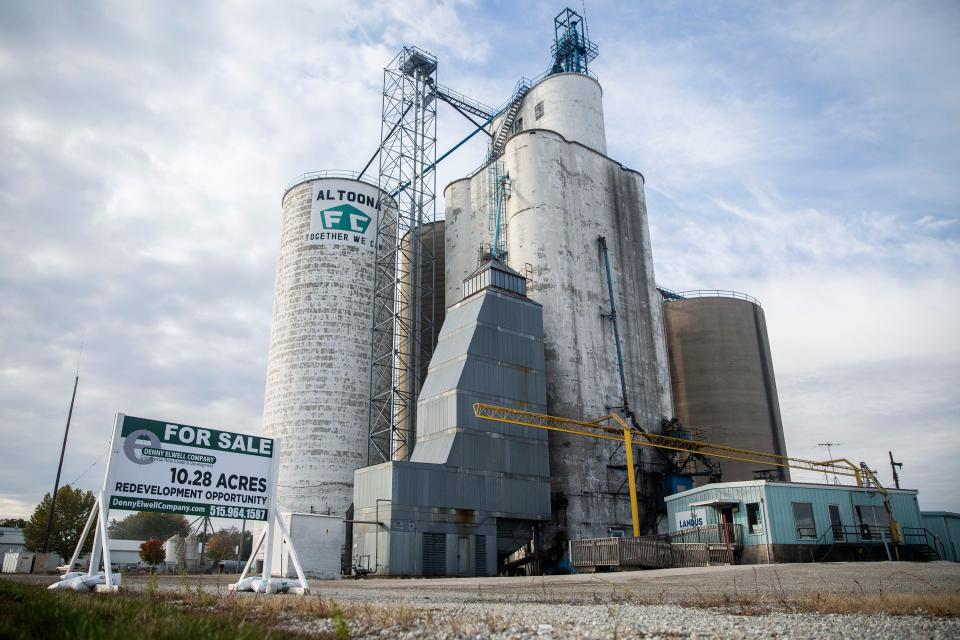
x=572, y=49
x=403, y=303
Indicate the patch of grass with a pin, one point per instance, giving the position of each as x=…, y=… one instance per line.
x=340, y=628
x=31, y=611
x=758, y=600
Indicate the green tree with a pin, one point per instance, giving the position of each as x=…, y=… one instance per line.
x=144, y=525
x=73, y=507
x=18, y=523
x=152, y=552
x=223, y=545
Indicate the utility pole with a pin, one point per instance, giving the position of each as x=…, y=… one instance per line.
x=894, y=465
x=63, y=449
x=828, y=445
x=243, y=531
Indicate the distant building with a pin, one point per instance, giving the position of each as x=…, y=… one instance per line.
x=11, y=539
x=125, y=552
x=946, y=526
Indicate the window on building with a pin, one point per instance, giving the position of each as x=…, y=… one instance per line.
x=518, y=125
x=617, y=533
x=874, y=522
x=803, y=519
x=538, y=110
x=836, y=523
x=754, y=519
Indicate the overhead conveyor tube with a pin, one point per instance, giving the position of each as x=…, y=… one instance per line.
x=431, y=167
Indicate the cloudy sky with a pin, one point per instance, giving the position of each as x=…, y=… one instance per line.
x=807, y=153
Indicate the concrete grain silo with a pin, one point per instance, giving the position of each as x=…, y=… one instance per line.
x=722, y=376
x=318, y=372
x=564, y=194
x=424, y=316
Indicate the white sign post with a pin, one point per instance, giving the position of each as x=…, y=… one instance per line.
x=192, y=471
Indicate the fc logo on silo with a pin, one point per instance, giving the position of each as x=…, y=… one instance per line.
x=345, y=218
x=351, y=222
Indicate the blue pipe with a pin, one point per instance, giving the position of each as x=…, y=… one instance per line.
x=616, y=330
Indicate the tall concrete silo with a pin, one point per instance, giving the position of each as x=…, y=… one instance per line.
x=318, y=372
x=423, y=316
x=564, y=194
x=722, y=376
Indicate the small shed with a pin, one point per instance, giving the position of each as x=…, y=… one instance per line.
x=17, y=562
x=803, y=522
x=11, y=539
x=318, y=540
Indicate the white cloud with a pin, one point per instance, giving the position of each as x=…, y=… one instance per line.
x=806, y=155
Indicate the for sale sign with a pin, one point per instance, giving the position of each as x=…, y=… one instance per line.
x=193, y=471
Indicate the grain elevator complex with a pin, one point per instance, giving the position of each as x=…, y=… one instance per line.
x=504, y=387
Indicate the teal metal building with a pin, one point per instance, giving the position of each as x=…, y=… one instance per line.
x=799, y=522
x=946, y=526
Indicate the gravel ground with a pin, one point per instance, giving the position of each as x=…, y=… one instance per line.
x=749, y=602
x=527, y=621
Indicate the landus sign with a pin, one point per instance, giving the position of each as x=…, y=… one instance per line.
x=192, y=471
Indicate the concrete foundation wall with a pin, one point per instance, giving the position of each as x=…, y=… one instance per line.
x=723, y=380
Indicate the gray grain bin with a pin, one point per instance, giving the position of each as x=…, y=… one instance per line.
x=318, y=372
x=722, y=375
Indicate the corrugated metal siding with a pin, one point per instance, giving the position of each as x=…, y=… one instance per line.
x=741, y=492
x=946, y=526
x=434, y=554
x=480, y=556
x=779, y=506
x=846, y=498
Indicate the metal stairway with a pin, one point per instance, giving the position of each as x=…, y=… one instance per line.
x=509, y=116
x=918, y=542
x=927, y=553
x=463, y=103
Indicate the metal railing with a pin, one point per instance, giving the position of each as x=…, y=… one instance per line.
x=873, y=534
x=923, y=536
x=806, y=533
x=326, y=173
x=696, y=547
x=708, y=293
x=710, y=534
x=472, y=105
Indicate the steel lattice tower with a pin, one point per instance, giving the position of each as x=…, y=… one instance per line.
x=403, y=300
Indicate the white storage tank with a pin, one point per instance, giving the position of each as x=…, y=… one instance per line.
x=318, y=372
x=174, y=550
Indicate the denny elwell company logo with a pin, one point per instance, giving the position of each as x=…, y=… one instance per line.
x=145, y=447
x=342, y=216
